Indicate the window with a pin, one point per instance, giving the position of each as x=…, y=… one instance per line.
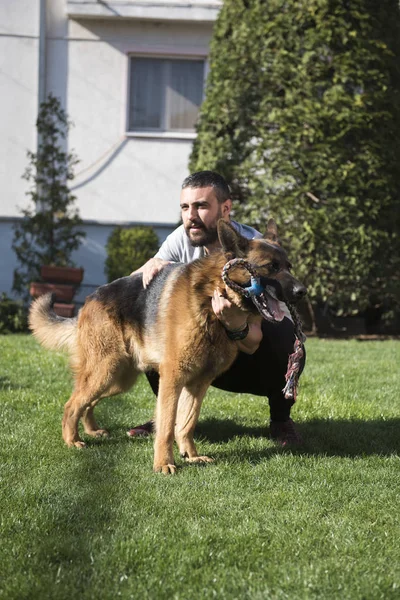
x=164, y=94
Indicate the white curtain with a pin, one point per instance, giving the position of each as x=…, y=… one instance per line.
x=146, y=93
x=165, y=94
x=184, y=93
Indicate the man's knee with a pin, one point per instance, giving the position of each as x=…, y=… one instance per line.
x=278, y=337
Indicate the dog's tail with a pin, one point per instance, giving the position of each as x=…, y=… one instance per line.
x=52, y=331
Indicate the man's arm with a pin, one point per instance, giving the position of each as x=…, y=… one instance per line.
x=253, y=339
x=235, y=321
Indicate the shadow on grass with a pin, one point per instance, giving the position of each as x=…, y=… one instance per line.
x=223, y=430
x=321, y=436
x=79, y=514
x=7, y=384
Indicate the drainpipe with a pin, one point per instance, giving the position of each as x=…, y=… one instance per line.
x=42, y=52
x=41, y=70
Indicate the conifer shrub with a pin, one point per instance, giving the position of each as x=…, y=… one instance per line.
x=302, y=117
x=128, y=249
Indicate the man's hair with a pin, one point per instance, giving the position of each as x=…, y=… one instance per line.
x=209, y=179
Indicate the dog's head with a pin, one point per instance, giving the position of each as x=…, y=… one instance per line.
x=269, y=261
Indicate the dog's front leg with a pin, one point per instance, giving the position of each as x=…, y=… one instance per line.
x=167, y=402
x=188, y=412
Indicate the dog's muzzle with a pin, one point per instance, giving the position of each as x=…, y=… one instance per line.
x=263, y=296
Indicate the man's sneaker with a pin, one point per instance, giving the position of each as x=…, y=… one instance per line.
x=141, y=430
x=284, y=432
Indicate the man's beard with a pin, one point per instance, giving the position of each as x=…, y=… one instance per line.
x=206, y=236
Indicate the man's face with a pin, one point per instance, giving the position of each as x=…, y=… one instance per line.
x=201, y=211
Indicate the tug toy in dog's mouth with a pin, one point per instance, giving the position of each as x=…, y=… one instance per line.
x=264, y=297
x=268, y=304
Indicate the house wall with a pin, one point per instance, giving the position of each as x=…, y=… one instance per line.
x=138, y=179
x=19, y=67
x=19, y=55
x=165, y=10
x=120, y=179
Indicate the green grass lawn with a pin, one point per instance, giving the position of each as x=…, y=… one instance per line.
x=260, y=523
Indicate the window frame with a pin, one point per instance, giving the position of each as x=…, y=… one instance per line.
x=161, y=133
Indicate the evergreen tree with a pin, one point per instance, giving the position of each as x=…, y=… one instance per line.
x=302, y=116
x=49, y=231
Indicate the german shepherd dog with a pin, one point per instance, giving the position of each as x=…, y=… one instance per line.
x=124, y=329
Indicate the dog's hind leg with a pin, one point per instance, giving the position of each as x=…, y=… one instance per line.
x=93, y=383
x=90, y=424
x=123, y=382
x=74, y=409
x=189, y=406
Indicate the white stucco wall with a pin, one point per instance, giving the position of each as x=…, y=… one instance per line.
x=137, y=179
x=19, y=47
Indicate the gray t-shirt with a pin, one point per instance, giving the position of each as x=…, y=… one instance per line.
x=177, y=246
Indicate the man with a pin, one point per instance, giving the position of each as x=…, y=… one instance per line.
x=264, y=350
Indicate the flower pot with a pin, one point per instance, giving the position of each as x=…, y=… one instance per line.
x=55, y=274
x=64, y=310
x=63, y=293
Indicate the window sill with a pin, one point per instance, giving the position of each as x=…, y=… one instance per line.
x=163, y=135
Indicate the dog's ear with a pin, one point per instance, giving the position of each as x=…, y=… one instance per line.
x=231, y=240
x=271, y=235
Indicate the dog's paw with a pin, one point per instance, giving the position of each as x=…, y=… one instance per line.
x=100, y=433
x=198, y=460
x=77, y=444
x=97, y=432
x=168, y=469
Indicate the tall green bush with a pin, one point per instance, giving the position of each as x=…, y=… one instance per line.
x=129, y=249
x=50, y=227
x=302, y=116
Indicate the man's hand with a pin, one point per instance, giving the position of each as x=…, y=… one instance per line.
x=233, y=318
x=150, y=269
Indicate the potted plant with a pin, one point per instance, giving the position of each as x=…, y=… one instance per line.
x=50, y=227
x=73, y=275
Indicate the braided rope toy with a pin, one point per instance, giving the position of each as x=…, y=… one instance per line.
x=256, y=289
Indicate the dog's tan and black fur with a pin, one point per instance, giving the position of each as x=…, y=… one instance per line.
x=124, y=329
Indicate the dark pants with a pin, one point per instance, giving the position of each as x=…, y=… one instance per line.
x=261, y=373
